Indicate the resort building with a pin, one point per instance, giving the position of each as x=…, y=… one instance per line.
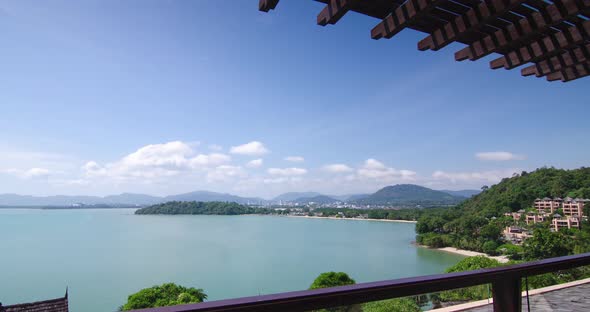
x=573, y=207
x=567, y=222
x=515, y=215
x=533, y=218
x=547, y=204
x=570, y=206
x=516, y=234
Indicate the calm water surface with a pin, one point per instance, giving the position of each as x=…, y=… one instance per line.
x=105, y=255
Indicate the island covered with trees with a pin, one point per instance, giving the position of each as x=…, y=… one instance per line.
x=201, y=208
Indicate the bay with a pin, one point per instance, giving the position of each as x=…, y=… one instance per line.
x=103, y=255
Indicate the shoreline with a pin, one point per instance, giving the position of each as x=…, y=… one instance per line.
x=356, y=219
x=467, y=253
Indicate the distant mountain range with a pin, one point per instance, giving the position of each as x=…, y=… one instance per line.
x=125, y=199
x=405, y=195
x=397, y=195
x=293, y=196
x=320, y=199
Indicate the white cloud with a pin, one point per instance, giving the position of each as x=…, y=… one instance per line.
x=225, y=173
x=374, y=169
x=32, y=173
x=337, y=168
x=491, y=176
x=255, y=163
x=295, y=159
x=215, y=147
x=499, y=156
x=208, y=160
x=155, y=161
x=253, y=148
x=287, y=171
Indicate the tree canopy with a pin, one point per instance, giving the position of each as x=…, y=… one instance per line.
x=168, y=294
x=331, y=279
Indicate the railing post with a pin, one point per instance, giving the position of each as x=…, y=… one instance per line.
x=507, y=295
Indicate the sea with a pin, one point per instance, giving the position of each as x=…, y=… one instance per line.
x=103, y=255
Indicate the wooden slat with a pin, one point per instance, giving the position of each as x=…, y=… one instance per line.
x=333, y=12
x=548, y=46
x=516, y=34
x=402, y=17
x=577, y=55
x=473, y=19
x=267, y=5
x=571, y=73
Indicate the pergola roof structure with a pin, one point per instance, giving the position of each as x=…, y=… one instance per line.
x=53, y=305
x=550, y=37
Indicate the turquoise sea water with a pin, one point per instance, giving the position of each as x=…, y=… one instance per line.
x=105, y=255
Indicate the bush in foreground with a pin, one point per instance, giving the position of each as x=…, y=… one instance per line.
x=164, y=295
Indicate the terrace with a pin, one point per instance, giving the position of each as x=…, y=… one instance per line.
x=506, y=290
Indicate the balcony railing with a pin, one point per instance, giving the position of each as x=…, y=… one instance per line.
x=506, y=289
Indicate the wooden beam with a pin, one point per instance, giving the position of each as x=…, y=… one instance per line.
x=545, y=47
x=267, y=5
x=472, y=20
x=402, y=17
x=514, y=35
x=333, y=12
x=577, y=55
x=571, y=73
x=507, y=295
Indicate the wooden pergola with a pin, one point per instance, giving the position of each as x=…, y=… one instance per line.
x=550, y=37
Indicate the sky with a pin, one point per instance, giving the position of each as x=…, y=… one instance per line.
x=165, y=97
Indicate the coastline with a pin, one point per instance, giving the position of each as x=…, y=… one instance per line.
x=357, y=219
x=468, y=253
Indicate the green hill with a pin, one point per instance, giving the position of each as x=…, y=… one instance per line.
x=410, y=195
x=477, y=223
x=520, y=191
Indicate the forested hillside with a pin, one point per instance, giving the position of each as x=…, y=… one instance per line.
x=477, y=223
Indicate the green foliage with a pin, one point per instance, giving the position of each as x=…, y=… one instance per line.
x=164, y=295
x=514, y=252
x=490, y=247
x=331, y=279
x=469, y=293
x=473, y=263
x=392, y=305
x=201, y=208
x=546, y=244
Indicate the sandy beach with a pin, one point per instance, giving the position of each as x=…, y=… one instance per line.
x=359, y=219
x=468, y=253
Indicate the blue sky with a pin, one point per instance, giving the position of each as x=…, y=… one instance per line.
x=102, y=97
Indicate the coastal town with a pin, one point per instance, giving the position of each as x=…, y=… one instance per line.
x=556, y=213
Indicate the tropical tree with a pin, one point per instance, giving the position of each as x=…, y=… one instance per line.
x=164, y=295
x=546, y=244
x=469, y=293
x=333, y=279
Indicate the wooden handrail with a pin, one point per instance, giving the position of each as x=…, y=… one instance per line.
x=505, y=281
